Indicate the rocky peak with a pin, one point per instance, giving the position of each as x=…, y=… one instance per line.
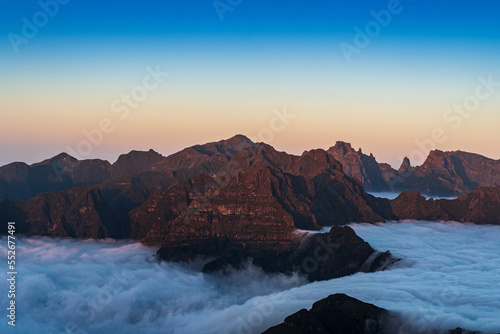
x=135, y=162
x=435, y=157
x=342, y=147
x=62, y=158
x=359, y=165
x=335, y=314
x=405, y=165
x=240, y=141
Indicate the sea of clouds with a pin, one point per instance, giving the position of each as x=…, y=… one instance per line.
x=449, y=276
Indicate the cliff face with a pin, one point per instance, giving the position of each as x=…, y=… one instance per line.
x=270, y=195
x=157, y=214
x=247, y=209
x=444, y=174
x=360, y=166
x=324, y=256
x=450, y=174
x=80, y=212
x=256, y=213
x=482, y=206
x=209, y=158
x=135, y=162
x=319, y=256
x=19, y=181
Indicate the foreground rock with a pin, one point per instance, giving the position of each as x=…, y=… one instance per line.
x=336, y=314
x=341, y=314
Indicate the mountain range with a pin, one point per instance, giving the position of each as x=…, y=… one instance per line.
x=443, y=174
x=236, y=199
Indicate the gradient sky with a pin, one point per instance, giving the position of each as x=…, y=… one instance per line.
x=229, y=76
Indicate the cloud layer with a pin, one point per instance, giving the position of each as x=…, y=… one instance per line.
x=448, y=277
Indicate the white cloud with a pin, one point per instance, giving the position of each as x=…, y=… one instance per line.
x=448, y=278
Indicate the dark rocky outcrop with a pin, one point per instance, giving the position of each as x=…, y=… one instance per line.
x=318, y=256
x=459, y=330
x=482, y=206
x=323, y=256
x=336, y=314
x=341, y=314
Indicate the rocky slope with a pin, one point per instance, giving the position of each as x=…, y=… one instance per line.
x=449, y=174
x=482, y=206
x=19, y=181
x=360, y=166
x=128, y=182
x=80, y=212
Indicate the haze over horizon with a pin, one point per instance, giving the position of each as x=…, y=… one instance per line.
x=76, y=155
x=231, y=76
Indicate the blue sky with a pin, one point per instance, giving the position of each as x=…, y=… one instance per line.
x=231, y=73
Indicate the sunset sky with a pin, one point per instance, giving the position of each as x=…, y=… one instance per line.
x=232, y=68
